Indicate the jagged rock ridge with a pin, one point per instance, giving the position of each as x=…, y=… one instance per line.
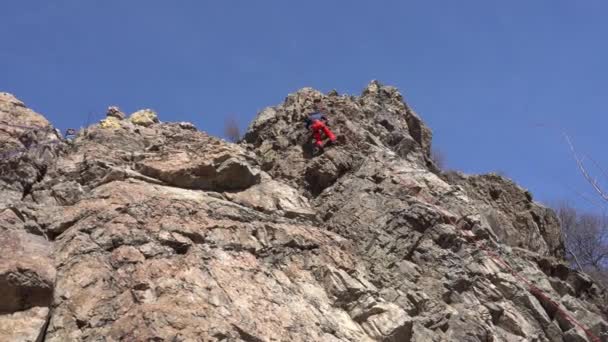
x=139, y=230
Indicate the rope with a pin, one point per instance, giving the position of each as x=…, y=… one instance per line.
x=534, y=290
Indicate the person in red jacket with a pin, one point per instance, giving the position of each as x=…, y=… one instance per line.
x=317, y=123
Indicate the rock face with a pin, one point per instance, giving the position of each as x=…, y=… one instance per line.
x=138, y=230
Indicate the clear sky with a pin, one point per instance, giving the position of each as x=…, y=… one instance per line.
x=483, y=74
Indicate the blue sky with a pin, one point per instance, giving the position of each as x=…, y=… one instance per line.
x=495, y=80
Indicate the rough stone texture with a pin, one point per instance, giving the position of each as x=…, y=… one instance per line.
x=24, y=326
x=22, y=130
x=14, y=112
x=115, y=112
x=27, y=273
x=144, y=117
x=160, y=232
x=511, y=213
x=274, y=197
x=110, y=122
x=27, y=278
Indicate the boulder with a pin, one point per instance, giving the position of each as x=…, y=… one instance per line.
x=188, y=171
x=274, y=197
x=115, y=112
x=26, y=326
x=144, y=117
x=27, y=272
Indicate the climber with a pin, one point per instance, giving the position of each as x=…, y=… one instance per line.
x=317, y=122
x=70, y=134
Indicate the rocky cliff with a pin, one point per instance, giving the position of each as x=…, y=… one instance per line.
x=138, y=230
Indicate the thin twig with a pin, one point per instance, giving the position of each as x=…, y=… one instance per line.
x=597, y=165
x=588, y=198
x=568, y=250
x=584, y=172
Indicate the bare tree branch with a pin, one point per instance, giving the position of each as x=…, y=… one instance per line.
x=567, y=219
x=569, y=251
x=597, y=165
x=584, y=172
x=588, y=198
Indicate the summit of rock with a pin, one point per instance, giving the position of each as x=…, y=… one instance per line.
x=141, y=230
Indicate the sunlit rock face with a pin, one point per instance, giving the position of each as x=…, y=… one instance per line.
x=141, y=230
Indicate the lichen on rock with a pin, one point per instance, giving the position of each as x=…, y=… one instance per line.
x=144, y=117
x=110, y=122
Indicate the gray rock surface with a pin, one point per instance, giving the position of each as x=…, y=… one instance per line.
x=24, y=326
x=139, y=230
x=114, y=111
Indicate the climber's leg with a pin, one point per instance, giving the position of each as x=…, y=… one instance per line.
x=316, y=133
x=318, y=140
x=328, y=133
